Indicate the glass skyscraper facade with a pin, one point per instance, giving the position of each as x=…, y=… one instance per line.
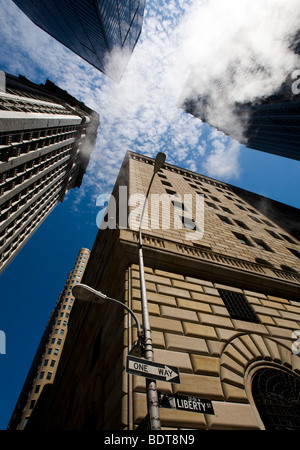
x=102, y=32
x=269, y=123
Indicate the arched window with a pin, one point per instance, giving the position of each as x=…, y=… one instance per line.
x=264, y=262
x=277, y=397
x=288, y=268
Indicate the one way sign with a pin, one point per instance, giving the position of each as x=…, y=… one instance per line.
x=152, y=370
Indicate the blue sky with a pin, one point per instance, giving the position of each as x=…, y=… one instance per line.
x=139, y=114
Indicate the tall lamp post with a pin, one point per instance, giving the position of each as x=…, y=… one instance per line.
x=152, y=397
x=88, y=294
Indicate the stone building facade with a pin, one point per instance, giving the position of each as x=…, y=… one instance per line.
x=224, y=309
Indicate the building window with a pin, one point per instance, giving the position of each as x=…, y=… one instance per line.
x=276, y=396
x=212, y=205
x=224, y=219
x=49, y=375
x=215, y=199
x=25, y=422
x=241, y=224
x=274, y=235
x=32, y=403
x=238, y=306
x=255, y=219
x=295, y=252
x=288, y=268
x=262, y=245
x=287, y=238
x=170, y=192
x=161, y=175
x=268, y=223
x=226, y=209
x=242, y=239
x=178, y=205
x=253, y=211
x=264, y=262
x=189, y=223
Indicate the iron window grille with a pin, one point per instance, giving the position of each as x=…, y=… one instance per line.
x=238, y=306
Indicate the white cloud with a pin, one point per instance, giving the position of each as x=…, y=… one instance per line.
x=223, y=160
x=141, y=112
x=251, y=36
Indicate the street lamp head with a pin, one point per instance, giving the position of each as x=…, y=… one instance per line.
x=159, y=161
x=87, y=294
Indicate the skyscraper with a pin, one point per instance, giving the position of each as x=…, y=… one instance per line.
x=102, y=32
x=44, y=366
x=46, y=139
x=268, y=123
x=224, y=309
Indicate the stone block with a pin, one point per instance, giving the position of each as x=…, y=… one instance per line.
x=199, y=386
x=197, y=281
x=211, y=299
x=162, y=273
x=216, y=321
x=205, y=365
x=179, y=314
x=232, y=416
x=177, y=359
x=198, y=330
x=234, y=393
x=195, y=306
x=162, y=324
x=178, y=419
x=185, y=343
x=161, y=289
x=186, y=285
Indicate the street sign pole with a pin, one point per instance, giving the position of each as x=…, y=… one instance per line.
x=151, y=389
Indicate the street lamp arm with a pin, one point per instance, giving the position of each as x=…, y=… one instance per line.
x=88, y=294
x=130, y=312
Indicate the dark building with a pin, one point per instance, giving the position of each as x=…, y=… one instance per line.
x=45, y=362
x=102, y=32
x=46, y=140
x=270, y=124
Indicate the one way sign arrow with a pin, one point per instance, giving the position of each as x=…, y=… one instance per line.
x=152, y=370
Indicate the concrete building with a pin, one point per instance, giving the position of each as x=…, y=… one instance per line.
x=102, y=32
x=44, y=366
x=46, y=139
x=224, y=309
